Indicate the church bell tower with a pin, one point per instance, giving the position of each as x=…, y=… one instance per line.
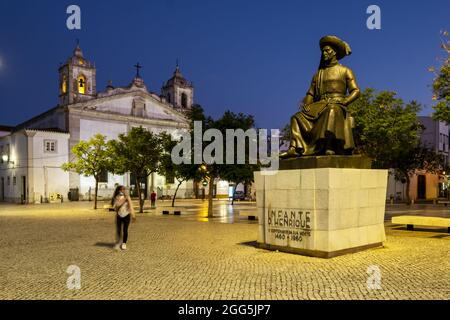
x=178, y=91
x=77, y=79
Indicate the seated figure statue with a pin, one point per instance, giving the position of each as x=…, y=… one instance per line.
x=324, y=125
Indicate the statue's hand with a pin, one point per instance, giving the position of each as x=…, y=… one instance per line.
x=338, y=100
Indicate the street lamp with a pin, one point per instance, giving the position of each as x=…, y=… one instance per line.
x=6, y=159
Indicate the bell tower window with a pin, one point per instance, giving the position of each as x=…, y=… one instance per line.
x=81, y=84
x=184, y=100
x=64, y=85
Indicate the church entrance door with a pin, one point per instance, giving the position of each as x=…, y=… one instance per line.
x=2, y=190
x=24, y=189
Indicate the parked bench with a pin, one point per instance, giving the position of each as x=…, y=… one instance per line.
x=174, y=211
x=411, y=221
x=250, y=214
x=444, y=202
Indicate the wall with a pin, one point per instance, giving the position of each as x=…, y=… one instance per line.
x=46, y=176
x=15, y=168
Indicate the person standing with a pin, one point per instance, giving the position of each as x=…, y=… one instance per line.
x=153, y=199
x=123, y=207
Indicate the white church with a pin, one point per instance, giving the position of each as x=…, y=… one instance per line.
x=32, y=152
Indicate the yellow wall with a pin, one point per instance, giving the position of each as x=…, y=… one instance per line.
x=432, y=185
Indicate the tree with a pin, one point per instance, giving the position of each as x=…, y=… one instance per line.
x=213, y=171
x=285, y=134
x=180, y=172
x=385, y=126
x=138, y=152
x=236, y=172
x=387, y=130
x=208, y=172
x=93, y=159
x=441, y=83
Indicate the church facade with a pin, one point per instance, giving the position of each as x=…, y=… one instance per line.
x=33, y=152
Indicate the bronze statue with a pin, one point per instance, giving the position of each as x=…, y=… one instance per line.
x=324, y=125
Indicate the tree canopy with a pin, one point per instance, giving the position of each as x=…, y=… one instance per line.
x=138, y=152
x=92, y=159
x=441, y=82
x=388, y=131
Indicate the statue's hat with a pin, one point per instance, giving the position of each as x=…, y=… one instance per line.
x=340, y=46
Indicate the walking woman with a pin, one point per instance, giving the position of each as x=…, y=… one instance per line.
x=123, y=206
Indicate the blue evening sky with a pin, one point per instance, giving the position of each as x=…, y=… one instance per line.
x=249, y=56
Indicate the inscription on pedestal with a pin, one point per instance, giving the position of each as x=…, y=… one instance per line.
x=290, y=225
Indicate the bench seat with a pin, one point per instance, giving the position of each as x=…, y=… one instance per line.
x=250, y=214
x=411, y=221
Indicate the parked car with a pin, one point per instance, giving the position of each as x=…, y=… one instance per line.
x=239, y=195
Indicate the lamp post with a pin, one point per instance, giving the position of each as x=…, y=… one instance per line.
x=6, y=159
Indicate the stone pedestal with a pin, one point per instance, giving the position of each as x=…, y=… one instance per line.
x=322, y=212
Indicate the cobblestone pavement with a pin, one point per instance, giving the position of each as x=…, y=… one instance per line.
x=189, y=257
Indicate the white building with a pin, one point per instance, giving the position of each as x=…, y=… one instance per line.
x=36, y=149
x=426, y=186
x=5, y=130
x=30, y=166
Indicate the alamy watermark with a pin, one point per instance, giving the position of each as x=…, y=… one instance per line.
x=253, y=140
x=374, y=20
x=374, y=279
x=74, y=279
x=73, y=22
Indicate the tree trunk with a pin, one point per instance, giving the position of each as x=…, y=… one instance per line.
x=210, y=197
x=96, y=191
x=408, y=183
x=175, y=195
x=138, y=185
x=234, y=192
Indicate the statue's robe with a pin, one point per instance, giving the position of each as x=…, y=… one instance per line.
x=311, y=129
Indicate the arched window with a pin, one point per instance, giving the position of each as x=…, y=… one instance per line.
x=81, y=81
x=184, y=100
x=64, y=84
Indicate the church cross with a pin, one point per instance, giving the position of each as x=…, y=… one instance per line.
x=137, y=66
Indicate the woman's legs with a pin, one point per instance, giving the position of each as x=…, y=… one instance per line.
x=126, y=224
x=118, y=228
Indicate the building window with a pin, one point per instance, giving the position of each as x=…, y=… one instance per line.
x=14, y=181
x=169, y=98
x=64, y=84
x=8, y=181
x=81, y=81
x=1, y=153
x=138, y=107
x=50, y=146
x=103, y=177
x=170, y=179
x=184, y=100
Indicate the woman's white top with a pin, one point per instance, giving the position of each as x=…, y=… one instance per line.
x=124, y=210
